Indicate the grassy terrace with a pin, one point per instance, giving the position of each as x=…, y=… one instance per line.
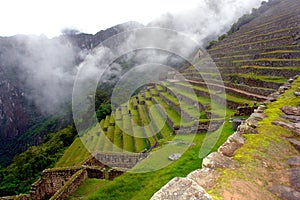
x=224, y=96
x=153, y=91
x=274, y=79
x=106, y=122
x=118, y=114
x=263, y=67
x=139, y=136
x=253, y=37
x=108, y=146
x=159, y=120
x=118, y=139
x=280, y=52
x=266, y=59
x=158, y=87
x=189, y=109
x=174, y=116
x=249, y=43
x=145, y=119
x=204, y=101
x=128, y=140
x=148, y=94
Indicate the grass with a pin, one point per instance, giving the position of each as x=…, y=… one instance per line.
x=118, y=139
x=187, y=108
x=144, y=185
x=273, y=68
x=128, y=140
x=75, y=155
x=145, y=121
x=159, y=120
x=267, y=59
x=274, y=79
x=174, y=116
x=229, y=97
x=89, y=186
x=280, y=51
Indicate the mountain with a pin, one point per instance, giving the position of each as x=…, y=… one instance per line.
x=28, y=110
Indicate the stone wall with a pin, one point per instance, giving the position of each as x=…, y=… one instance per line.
x=92, y=161
x=115, y=172
x=71, y=185
x=58, y=184
x=17, y=197
x=96, y=172
x=51, y=181
x=121, y=160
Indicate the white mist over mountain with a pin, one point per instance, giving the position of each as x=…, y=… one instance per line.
x=49, y=65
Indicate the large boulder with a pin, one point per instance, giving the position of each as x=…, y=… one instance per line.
x=291, y=110
x=206, y=177
x=284, y=192
x=217, y=160
x=234, y=142
x=295, y=143
x=245, y=129
x=294, y=127
x=294, y=162
x=183, y=189
x=295, y=178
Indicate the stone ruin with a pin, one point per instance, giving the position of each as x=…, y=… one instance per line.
x=59, y=183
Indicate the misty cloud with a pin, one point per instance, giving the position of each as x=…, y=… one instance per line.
x=209, y=19
x=45, y=69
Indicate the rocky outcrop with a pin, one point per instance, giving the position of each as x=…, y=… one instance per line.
x=294, y=127
x=205, y=177
x=217, y=160
x=181, y=188
x=234, y=142
x=291, y=110
x=285, y=192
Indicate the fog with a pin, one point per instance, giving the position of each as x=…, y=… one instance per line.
x=48, y=67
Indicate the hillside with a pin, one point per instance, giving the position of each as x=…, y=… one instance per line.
x=27, y=110
x=196, y=118
x=254, y=62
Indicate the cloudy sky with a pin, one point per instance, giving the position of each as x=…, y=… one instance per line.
x=49, y=17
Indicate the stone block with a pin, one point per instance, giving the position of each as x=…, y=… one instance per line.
x=183, y=189
x=217, y=160
x=206, y=177
x=234, y=142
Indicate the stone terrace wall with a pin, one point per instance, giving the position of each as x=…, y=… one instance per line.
x=121, y=160
x=71, y=185
x=51, y=181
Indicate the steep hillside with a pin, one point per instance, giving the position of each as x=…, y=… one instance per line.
x=254, y=61
x=24, y=116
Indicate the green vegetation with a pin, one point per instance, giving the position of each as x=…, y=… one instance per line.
x=274, y=79
x=26, y=167
x=266, y=147
x=143, y=186
x=89, y=186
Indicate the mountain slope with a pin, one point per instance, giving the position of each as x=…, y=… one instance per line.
x=27, y=109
